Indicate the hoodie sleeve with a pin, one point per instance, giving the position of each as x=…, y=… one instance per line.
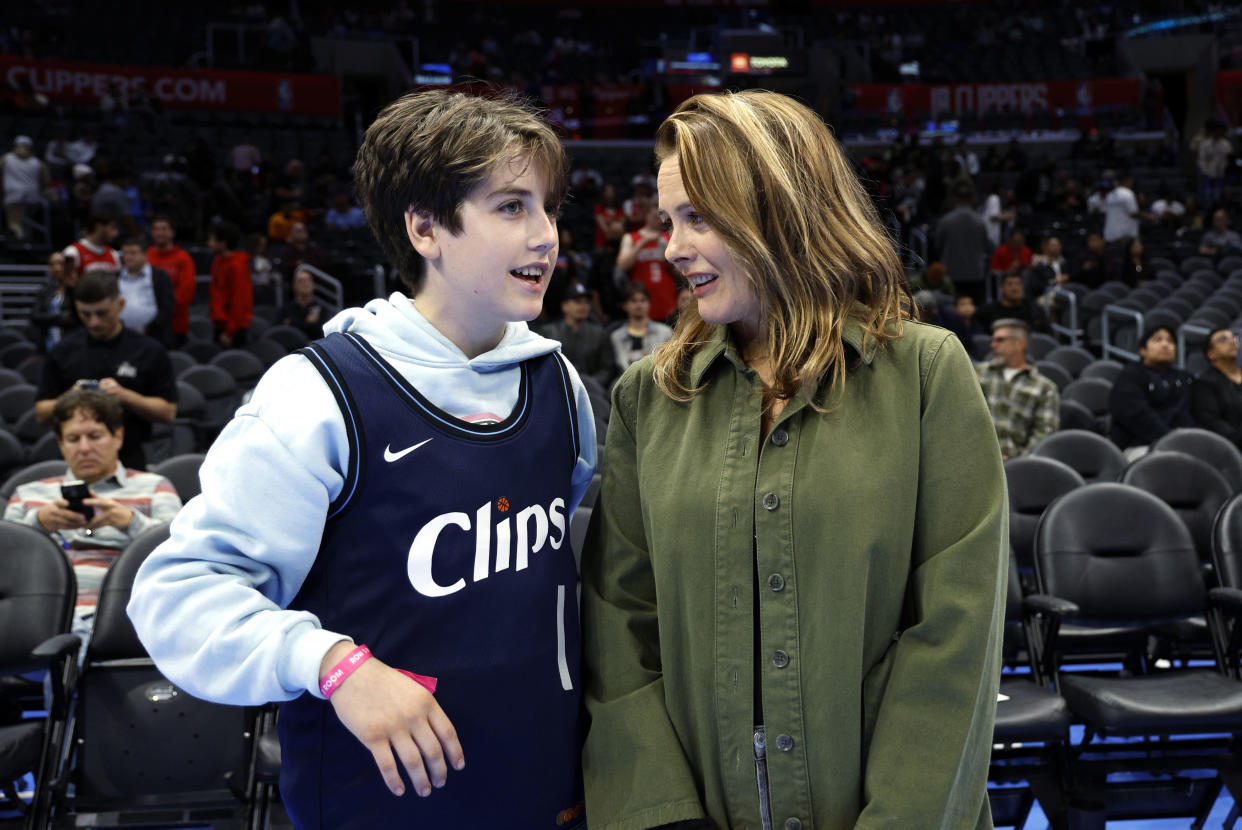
x=588, y=452
x=210, y=603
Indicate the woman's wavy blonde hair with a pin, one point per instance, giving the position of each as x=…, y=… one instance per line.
x=766, y=174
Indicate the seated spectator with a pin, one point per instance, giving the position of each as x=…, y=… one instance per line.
x=936, y=279
x=280, y=223
x=343, y=216
x=123, y=502
x=132, y=367
x=1092, y=266
x=297, y=250
x=1216, y=397
x=1134, y=269
x=963, y=321
x=1014, y=303
x=1152, y=397
x=585, y=343
x=304, y=311
x=1025, y=404
x=147, y=291
x=53, y=315
x=638, y=335
x=1012, y=257
x=1220, y=239
x=1048, y=268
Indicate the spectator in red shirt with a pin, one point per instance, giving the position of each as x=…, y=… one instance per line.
x=232, y=296
x=609, y=219
x=179, y=266
x=1013, y=256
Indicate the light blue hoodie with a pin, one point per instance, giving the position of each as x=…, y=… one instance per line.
x=210, y=603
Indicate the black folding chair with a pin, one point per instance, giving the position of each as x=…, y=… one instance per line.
x=37, y=594
x=140, y=749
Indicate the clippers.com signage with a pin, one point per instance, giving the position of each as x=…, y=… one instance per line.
x=956, y=99
x=85, y=83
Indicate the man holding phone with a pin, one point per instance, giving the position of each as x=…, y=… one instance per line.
x=133, y=368
x=98, y=507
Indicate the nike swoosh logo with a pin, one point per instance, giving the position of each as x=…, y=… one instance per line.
x=391, y=456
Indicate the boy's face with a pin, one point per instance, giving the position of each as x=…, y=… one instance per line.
x=496, y=269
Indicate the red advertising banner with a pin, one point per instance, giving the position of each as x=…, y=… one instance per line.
x=956, y=99
x=1229, y=95
x=84, y=83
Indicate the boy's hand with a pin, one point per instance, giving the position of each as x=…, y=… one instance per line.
x=392, y=715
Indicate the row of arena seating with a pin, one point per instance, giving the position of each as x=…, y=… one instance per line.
x=1114, y=564
x=1122, y=666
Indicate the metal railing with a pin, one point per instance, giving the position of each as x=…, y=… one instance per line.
x=1118, y=311
x=327, y=287
x=1182, y=331
x=1070, y=330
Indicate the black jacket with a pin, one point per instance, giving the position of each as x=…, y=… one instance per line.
x=1216, y=404
x=1146, y=403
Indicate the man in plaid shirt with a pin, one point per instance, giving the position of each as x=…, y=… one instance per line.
x=1025, y=405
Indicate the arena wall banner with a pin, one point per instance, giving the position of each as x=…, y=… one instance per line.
x=1069, y=96
x=202, y=89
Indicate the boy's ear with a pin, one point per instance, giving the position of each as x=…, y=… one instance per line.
x=421, y=229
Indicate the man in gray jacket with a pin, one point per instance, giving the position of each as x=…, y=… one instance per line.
x=962, y=241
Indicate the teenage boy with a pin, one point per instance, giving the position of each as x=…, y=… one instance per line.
x=407, y=483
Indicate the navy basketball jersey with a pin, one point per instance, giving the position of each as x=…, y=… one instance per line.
x=448, y=553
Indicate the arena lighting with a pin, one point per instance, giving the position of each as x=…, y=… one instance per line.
x=1177, y=23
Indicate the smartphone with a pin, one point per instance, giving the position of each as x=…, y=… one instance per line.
x=87, y=384
x=75, y=492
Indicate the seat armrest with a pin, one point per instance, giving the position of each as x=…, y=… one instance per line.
x=58, y=646
x=1227, y=598
x=1053, y=606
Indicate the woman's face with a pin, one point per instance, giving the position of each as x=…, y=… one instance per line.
x=701, y=256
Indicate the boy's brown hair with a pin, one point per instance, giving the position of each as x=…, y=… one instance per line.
x=426, y=151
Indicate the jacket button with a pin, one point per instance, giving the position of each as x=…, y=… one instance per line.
x=793, y=824
x=780, y=659
x=771, y=501
x=776, y=582
x=784, y=743
x=780, y=437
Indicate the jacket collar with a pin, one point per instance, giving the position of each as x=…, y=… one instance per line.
x=720, y=344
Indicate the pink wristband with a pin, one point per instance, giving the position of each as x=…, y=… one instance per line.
x=333, y=680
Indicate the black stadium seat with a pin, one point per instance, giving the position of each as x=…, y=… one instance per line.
x=1076, y=416
x=37, y=594
x=1073, y=358
x=1216, y=450
x=1033, y=484
x=1093, y=393
x=1055, y=372
x=1194, y=490
x=1122, y=556
x=1090, y=454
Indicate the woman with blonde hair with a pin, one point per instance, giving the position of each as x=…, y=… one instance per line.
x=793, y=582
